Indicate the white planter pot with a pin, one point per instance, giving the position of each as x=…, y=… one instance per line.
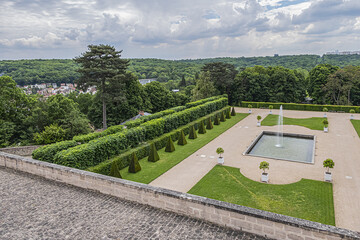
x=326, y=129
x=265, y=177
x=325, y=115
x=270, y=112
x=250, y=111
x=327, y=177
x=258, y=124
x=351, y=116
x=221, y=160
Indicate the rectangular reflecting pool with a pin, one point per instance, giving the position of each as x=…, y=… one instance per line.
x=296, y=147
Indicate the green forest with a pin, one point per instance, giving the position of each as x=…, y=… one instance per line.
x=34, y=119
x=26, y=72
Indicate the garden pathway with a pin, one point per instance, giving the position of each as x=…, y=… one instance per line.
x=341, y=143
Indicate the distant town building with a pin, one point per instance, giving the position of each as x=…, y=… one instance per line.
x=175, y=90
x=336, y=52
x=146, y=81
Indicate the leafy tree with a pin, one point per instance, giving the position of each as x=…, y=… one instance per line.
x=160, y=98
x=317, y=80
x=51, y=134
x=204, y=87
x=15, y=107
x=328, y=163
x=7, y=130
x=222, y=75
x=99, y=66
x=264, y=165
x=182, y=82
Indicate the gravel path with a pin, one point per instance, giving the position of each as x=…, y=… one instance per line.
x=35, y=208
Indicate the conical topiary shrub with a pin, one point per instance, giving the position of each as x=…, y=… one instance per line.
x=169, y=145
x=114, y=170
x=216, y=120
x=222, y=117
x=182, y=139
x=233, y=112
x=134, y=165
x=209, y=124
x=228, y=116
x=192, y=133
x=153, y=154
x=202, y=129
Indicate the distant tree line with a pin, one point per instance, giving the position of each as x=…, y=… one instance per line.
x=26, y=72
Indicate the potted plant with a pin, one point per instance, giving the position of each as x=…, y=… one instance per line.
x=328, y=163
x=325, y=110
x=264, y=176
x=326, y=125
x=220, y=158
x=352, y=111
x=271, y=108
x=258, y=118
x=250, y=106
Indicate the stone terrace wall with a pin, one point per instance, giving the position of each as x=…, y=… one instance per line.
x=22, y=151
x=225, y=214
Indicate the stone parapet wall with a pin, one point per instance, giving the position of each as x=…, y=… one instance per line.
x=21, y=151
x=225, y=214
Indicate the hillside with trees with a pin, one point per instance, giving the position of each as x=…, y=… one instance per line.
x=26, y=72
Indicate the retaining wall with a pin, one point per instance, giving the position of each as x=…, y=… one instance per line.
x=242, y=218
x=22, y=151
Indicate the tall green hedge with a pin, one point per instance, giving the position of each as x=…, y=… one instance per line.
x=91, y=136
x=98, y=150
x=301, y=107
x=46, y=153
x=142, y=151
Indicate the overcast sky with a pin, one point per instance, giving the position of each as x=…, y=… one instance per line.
x=177, y=29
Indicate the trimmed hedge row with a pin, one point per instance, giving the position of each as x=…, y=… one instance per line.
x=202, y=101
x=91, y=136
x=98, y=150
x=301, y=107
x=142, y=151
x=46, y=153
x=93, y=152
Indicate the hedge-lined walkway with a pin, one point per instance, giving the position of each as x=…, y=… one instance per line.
x=342, y=144
x=35, y=208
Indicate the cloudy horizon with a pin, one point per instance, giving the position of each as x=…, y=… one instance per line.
x=178, y=30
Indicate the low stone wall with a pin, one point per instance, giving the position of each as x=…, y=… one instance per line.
x=21, y=151
x=225, y=214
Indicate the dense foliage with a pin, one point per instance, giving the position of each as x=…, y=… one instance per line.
x=26, y=72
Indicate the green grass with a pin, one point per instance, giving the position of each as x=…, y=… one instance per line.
x=314, y=123
x=356, y=124
x=306, y=199
x=152, y=170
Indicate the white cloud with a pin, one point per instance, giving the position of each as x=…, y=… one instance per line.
x=178, y=29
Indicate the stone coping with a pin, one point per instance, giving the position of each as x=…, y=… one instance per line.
x=229, y=207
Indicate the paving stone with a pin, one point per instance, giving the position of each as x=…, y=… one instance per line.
x=35, y=208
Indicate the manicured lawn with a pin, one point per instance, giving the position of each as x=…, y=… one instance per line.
x=150, y=171
x=356, y=124
x=314, y=123
x=306, y=199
